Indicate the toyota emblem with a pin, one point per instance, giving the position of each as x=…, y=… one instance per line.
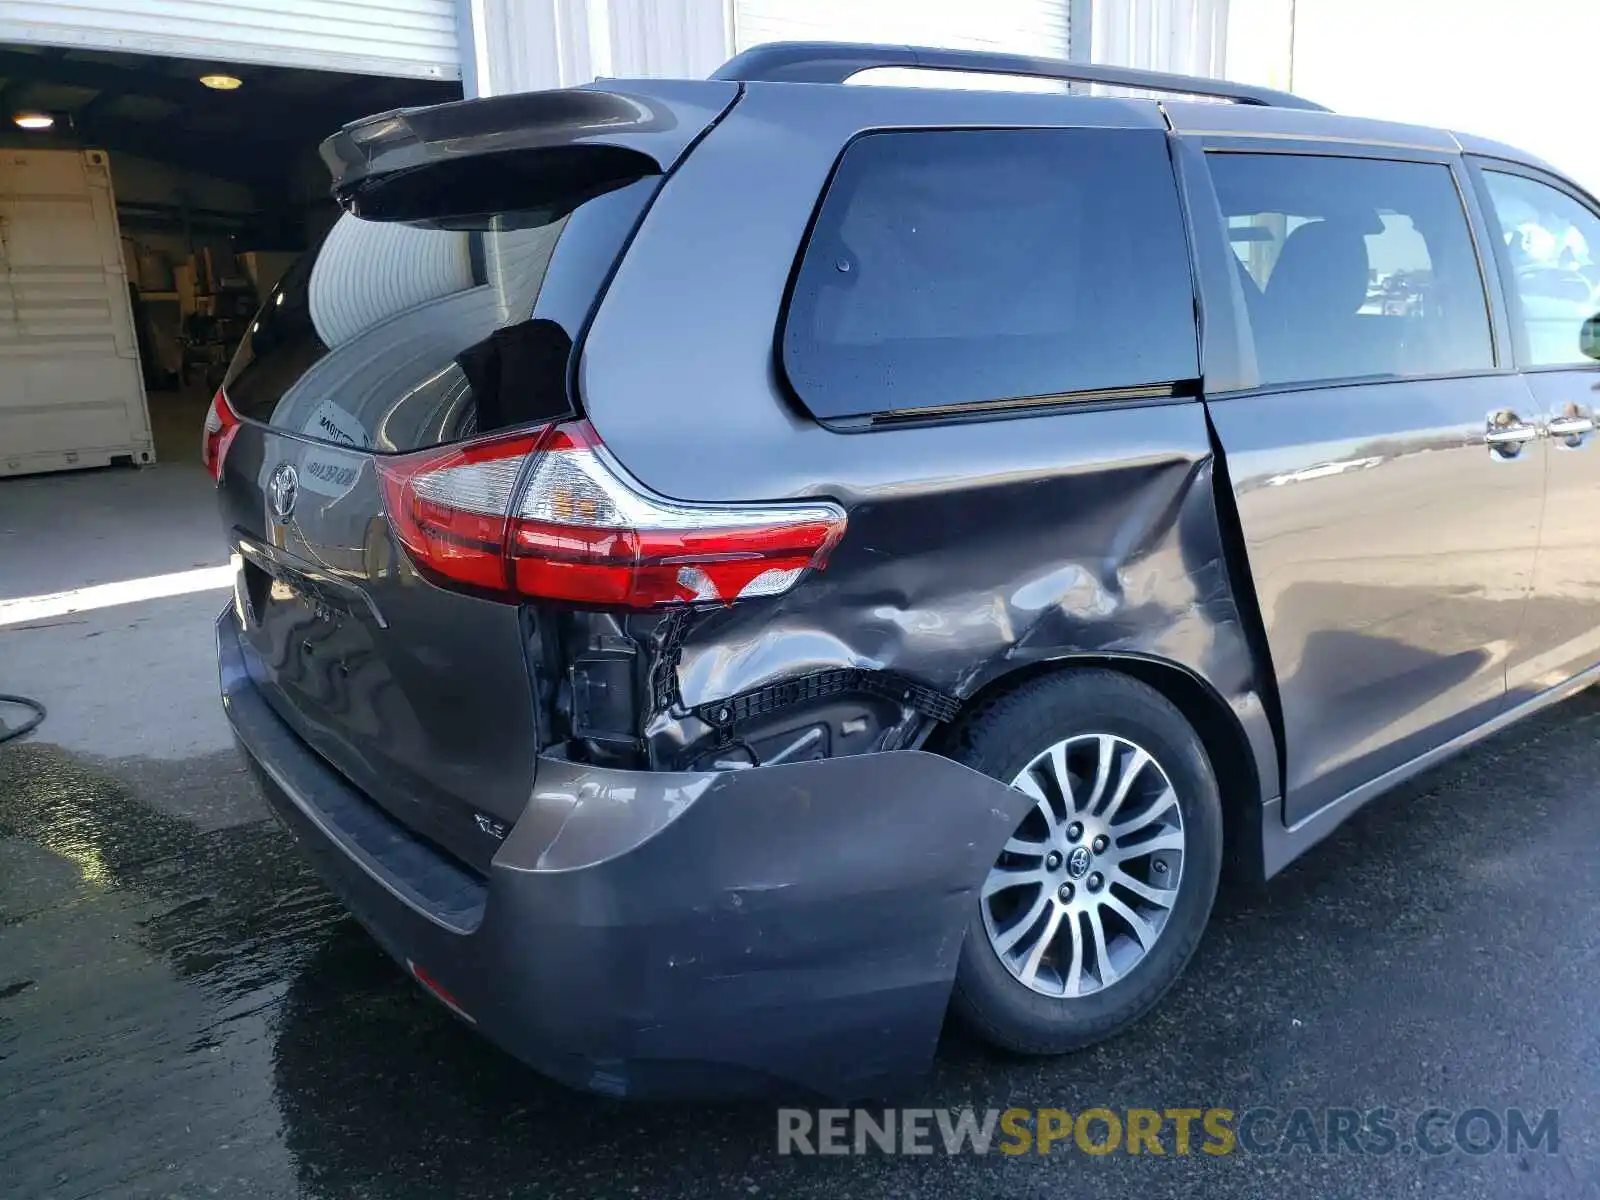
x=283, y=486
x=1078, y=862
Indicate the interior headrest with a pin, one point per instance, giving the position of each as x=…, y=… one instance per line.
x=1322, y=265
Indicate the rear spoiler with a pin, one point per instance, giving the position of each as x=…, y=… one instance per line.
x=498, y=153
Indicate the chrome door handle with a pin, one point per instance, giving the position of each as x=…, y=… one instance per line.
x=1511, y=435
x=1570, y=426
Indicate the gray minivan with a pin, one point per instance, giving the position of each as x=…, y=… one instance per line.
x=729, y=571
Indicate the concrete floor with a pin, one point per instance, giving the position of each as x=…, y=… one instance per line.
x=185, y=1012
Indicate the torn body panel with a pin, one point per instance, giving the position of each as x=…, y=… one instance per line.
x=871, y=652
x=974, y=549
x=810, y=950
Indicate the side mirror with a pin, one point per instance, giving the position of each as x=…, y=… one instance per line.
x=1589, y=337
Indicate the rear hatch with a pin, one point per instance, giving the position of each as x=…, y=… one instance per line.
x=447, y=309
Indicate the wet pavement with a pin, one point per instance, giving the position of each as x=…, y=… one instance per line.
x=185, y=1012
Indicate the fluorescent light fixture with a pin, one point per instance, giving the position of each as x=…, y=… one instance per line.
x=221, y=83
x=34, y=120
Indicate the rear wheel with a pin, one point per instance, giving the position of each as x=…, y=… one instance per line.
x=1100, y=895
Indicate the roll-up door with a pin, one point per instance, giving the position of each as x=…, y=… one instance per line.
x=375, y=37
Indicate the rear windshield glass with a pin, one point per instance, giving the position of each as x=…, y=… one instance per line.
x=970, y=266
x=390, y=337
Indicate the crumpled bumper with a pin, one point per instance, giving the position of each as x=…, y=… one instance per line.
x=787, y=929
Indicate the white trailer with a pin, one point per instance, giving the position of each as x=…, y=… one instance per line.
x=71, y=392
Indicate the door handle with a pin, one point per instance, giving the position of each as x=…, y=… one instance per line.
x=1513, y=435
x=1570, y=426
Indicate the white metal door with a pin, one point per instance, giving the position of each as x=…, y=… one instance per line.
x=71, y=394
x=374, y=37
x=1017, y=26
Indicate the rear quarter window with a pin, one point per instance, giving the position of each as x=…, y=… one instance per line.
x=968, y=267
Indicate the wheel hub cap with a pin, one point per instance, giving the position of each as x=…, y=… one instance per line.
x=1085, y=885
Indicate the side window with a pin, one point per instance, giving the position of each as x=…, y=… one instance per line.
x=1353, y=267
x=1551, y=243
x=963, y=267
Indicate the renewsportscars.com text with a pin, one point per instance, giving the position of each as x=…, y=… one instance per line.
x=1172, y=1131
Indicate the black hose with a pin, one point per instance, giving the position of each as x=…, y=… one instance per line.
x=27, y=726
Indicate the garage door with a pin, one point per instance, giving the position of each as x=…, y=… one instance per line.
x=376, y=37
x=1018, y=26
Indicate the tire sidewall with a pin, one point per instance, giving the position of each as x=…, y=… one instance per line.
x=1086, y=704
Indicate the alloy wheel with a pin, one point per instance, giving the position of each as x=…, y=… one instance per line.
x=1086, y=883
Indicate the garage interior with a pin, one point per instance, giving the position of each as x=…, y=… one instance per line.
x=217, y=188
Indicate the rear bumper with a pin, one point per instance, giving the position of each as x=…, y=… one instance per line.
x=781, y=930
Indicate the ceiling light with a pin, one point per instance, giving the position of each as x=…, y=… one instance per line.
x=221, y=83
x=34, y=120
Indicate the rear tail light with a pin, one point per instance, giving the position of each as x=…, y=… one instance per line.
x=550, y=515
x=222, y=424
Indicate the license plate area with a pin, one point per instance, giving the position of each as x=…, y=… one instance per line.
x=271, y=586
x=257, y=585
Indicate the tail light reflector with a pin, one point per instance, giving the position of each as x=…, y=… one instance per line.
x=439, y=993
x=550, y=515
x=222, y=424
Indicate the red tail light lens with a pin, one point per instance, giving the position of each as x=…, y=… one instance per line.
x=222, y=424
x=550, y=515
x=449, y=508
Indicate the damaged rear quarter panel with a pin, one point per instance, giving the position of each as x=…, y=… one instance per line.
x=958, y=586
x=955, y=586
x=973, y=549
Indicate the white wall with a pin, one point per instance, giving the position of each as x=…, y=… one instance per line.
x=518, y=45
x=525, y=45
x=1017, y=26
x=1258, y=39
x=1189, y=37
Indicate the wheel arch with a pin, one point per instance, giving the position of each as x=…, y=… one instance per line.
x=1220, y=731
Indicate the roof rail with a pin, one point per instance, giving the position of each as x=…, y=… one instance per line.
x=836, y=62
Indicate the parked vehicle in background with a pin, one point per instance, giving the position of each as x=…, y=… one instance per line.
x=730, y=570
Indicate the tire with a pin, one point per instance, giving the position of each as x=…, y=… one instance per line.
x=1002, y=739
